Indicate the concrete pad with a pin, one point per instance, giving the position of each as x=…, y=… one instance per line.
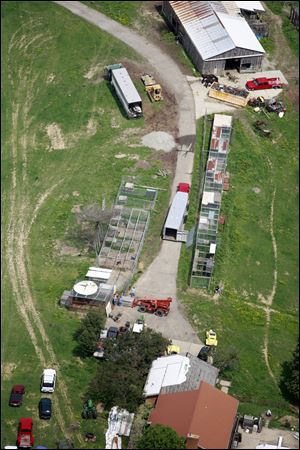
x=267, y=436
x=225, y=383
x=224, y=389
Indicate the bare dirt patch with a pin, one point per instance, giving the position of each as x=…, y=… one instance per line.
x=95, y=74
x=91, y=127
x=50, y=78
x=142, y=165
x=75, y=193
x=256, y=190
x=7, y=370
x=56, y=137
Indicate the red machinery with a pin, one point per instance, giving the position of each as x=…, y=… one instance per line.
x=160, y=307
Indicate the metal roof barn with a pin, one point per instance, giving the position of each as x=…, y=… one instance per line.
x=214, y=39
x=250, y=6
x=176, y=213
x=126, y=85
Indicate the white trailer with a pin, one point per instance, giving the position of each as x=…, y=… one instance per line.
x=125, y=90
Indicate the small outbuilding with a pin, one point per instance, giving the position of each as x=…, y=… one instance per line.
x=214, y=39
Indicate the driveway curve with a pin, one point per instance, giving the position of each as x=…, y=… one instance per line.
x=160, y=277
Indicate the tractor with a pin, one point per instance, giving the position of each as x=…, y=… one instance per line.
x=89, y=410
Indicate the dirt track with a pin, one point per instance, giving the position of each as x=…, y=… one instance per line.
x=21, y=216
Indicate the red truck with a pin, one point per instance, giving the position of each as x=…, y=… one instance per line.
x=183, y=187
x=264, y=83
x=25, y=437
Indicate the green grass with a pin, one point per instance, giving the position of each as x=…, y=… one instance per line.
x=245, y=260
x=67, y=48
x=268, y=44
x=291, y=34
x=125, y=13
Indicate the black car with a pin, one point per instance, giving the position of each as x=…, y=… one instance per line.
x=45, y=408
x=112, y=332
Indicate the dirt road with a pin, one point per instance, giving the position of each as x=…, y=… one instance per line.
x=160, y=277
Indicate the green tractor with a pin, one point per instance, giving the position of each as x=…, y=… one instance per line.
x=89, y=410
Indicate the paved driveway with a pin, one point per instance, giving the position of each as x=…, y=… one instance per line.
x=160, y=277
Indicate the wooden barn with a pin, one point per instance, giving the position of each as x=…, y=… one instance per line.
x=215, y=40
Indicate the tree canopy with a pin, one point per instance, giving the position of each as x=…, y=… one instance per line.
x=289, y=382
x=160, y=436
x=88, y=334
x=121, y=376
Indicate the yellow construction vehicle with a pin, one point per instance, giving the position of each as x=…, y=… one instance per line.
x=152, y=88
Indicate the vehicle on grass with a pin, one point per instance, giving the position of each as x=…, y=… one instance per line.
x=211, y=338
x=48, y=380
x=152, y=88
x=160, y=307
x=25, y=437
x=45, y=408
x=89, y=410
x=16, y=395
x=183, y=187
x=125, y=90
x=264, y=83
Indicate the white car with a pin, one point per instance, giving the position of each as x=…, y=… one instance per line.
x=48, y=380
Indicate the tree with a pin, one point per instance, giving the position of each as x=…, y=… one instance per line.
x=121, y=376
x=160, y=436
x=226, y=359
x=289, y=382
x=87, y=335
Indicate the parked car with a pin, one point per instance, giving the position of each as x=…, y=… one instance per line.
x=112, y=332
x=48, y=380
x=45, y=408
x=25, y=437
x=16, y=395
x=264, y=83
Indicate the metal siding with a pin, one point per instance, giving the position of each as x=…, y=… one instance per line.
x=126, y=85
x=177, y=210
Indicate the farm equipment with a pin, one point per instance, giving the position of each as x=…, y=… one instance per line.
x=256, y=102
x=89, y=410
x=160, y=307
x=152, y=88
x=259, y=126
x=173, y=349
x=211, y=338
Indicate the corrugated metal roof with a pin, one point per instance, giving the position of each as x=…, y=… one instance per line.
x=240, y=32
x=210, y=35
x=126, y=85
x=177, y=210
x=231, y=8
x=250, y=6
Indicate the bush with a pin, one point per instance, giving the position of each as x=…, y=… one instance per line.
x=87, y=335
x=160, y=436
x=289, y=382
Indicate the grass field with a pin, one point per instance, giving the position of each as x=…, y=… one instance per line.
x=52, y=79
x=245, y=261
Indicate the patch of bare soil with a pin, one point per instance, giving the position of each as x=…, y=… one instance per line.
x=164, y=118
x=7, y=370
x=56, y=137
x=95, y=74
x=291, y=421
x=142, y=165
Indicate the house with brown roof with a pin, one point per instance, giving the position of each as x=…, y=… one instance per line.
x=206, y=417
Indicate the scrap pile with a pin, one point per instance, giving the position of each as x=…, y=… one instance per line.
x=209, y=79
x=240, y=92
x=272, y=105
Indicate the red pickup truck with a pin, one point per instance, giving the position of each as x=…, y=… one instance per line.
x=264, y=83
x=25, y=437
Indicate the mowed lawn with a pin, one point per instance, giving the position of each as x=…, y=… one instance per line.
x=52, y=67
x=245, y=260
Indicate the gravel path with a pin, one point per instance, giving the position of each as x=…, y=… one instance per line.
x=160, y=277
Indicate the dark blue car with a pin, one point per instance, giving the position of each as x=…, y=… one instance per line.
x=45, y=408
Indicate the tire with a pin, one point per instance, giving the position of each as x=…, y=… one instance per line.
x=159, y=313
x=142, y=308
